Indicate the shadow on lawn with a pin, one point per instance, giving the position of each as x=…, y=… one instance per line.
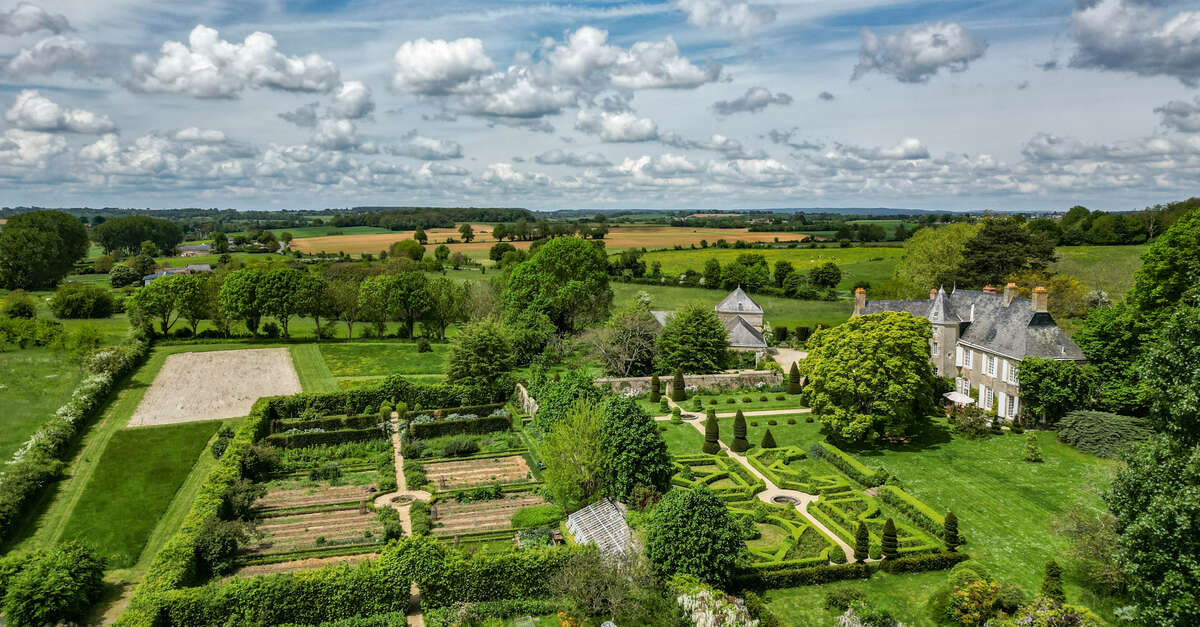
x=936, y=433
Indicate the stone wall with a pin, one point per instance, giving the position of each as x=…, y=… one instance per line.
x=733, y=381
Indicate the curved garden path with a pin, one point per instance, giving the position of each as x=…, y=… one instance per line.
x=401, y=500
x=772, y=491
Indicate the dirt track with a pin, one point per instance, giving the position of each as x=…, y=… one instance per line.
x=215, y=385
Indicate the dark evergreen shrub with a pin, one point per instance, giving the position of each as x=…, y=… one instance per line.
x=793, y=385
x=1101, y=433
x=768, y=440
x=677, y=391
x=888, y=540
x=711, y=434
x=862, y=542
x=950, y=531
x=1052, y=585
x=739, y=444
x=655, y=389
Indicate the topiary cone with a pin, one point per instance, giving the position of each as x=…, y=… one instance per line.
x=950, y=531
x=655, y=389
x=677, y=391
x=768, y=440
x=890, y=546
x=739, y=444
x=793, y=386
x=1052, y=586
x=711, y=434
x=862, y=543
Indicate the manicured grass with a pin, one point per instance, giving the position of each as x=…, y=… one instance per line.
x=311, y=369
x=1109, y=268
x=872, y=264
x=361, y=360
x=34, y=383
x=134, y=483
x=903, y=595
x=779, y=311
x=802, y=434
x=790, y=401
x=682, y=439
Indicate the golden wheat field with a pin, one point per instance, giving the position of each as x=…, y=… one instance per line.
x=618, y=238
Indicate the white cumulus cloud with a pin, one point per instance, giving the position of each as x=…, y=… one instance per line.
x=1129, y=36
x=557, y=156
x=29, y=148
x=754, y=100
x=32, y=111
x=353, y=101
x=1180, y=115
x=30, y=18
x=439, y=66
x=210, y=67
x=426, y=148
x=916, y=53
x=199, y=135
x=735, y=15
x=616, y=127
x=51, y=54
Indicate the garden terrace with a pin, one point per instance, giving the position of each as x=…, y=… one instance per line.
x=461, y=519
x=463, y=446
x=791, y=469
x=841, y=513
x=315, y=531
x=727, y=478
x=789, y=543
x=469, y=473
x=747, y=400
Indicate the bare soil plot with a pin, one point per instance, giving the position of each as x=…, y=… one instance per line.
x=301, y=531
x=462, y=518
x=476, y=472
x=215, y=385
x=313, y=497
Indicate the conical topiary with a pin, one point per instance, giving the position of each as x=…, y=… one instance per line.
x=768, y=440
x=862, y=543
x=655, y=389
x=739, y=444
x=712, y=434
x=793, y=386
x=890, y=546
x=677, y=392
x=1052, y=586
x=950, y=531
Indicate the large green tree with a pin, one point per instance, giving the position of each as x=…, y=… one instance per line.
x=691, y=532
x=447, y=305
x=195, y=298
x=871, y=377
x=693, y=339
x=932, y=256
x=1001, y=247
x=635, y=452
x=242, y=298
x=481, y=355
x=158, y=301
x=1170, y=270
x=39, y=248
x=1170, y=372
x=129, y=232
x=567, y=280
x=573, y=457
x=626, y=344
x=1051, y=388
x=1112, y=337
x=281, y=291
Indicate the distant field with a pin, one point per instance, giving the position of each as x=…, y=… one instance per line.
x=888, y=225
x=779, y=311
x=133, y=484
x=1109, y=268
x=33, y=384
x=322, y=231
x=619, y=238
x=378, y=359
x=872, y=264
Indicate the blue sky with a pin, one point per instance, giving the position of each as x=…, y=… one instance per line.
x=677, y=104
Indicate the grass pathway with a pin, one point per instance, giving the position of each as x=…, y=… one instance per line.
x=311, y=368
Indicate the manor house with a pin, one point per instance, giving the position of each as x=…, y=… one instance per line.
x=979, y=337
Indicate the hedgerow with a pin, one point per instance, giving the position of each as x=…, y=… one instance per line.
x=41, y=460
x=471, y=613
x=917, y=511
x=322, y=438
x=488, y=423
x=329, y=423
x=759, y=579
x=856, y=470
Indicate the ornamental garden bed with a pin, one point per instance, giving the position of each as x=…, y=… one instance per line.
x=455, y=475
x=295, y=493
x=727, y=478
x=451, y=518
x=316, y=530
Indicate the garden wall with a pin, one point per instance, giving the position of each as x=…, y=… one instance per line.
x=735, y=381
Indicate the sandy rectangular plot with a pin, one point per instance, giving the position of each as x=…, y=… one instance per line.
x=215, y=385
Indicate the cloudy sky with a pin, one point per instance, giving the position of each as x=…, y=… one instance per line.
x=675, y=104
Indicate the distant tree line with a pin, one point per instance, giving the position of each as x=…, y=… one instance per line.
x=411, y=218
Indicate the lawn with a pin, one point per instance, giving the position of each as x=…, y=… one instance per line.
x=380, y=359
x=871, y=264
x=682, y=439
x=33, y=384
x=786, y=312
x=133, y=484
x=722, y=405
x=1109, y=268
x=903, y=595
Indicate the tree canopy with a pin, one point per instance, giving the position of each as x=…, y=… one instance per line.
x=695, y=340
x=635, y=452
x=39, y=248
x=567, y=280
x=871, y=377
x=1001, y=247
x=691, y=532
x=1170, y=270
x=932, y=256
x=1170, y=372
x=481, y=355
x=127, y=233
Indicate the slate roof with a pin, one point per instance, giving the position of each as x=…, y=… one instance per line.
x=199, y=267
x=195, y=248
x=1014, y=331
x=743, y=335
x=738, y=302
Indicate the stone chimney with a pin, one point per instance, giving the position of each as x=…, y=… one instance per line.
x=932, y=293
x=860, y=300
x=1041, y=299
x=988, y=289
x=1010, y=292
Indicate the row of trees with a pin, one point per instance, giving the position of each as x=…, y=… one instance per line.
x=971, y=255
x=127, y=234
x=38, y=249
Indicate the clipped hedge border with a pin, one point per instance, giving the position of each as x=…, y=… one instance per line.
x=923, y=515
x=42, y=459
x=478, y=410
x=393, y=389
x=329, y=423
x=445, y=617
x=768, y=578
x=856, y=470
x=323, y=438
x=472, y=426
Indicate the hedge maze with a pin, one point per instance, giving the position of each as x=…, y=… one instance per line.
x=725, y=477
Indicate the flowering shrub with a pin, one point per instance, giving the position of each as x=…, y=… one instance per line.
x=708, y=607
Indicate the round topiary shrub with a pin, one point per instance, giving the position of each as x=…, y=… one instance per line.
x=731, y=401
x=809, y=418
x=747, y=399
x=754, y=423
x=423, y=346
x=713, y=402
x=780, y=397
x=772, y=422
x=762, y=399
x=791, y=421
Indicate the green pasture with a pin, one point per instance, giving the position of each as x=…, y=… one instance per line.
x=34, y=383
x=1109, y=268
x=682, y=439
x=328, y=229
x=133, y=484
x=787, y=312
x=871, y=264
x=745, y=400
x=383, y=359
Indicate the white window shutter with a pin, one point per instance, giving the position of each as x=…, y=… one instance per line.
x=1004, y=370
x=1002, y=405
x=958, y=356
